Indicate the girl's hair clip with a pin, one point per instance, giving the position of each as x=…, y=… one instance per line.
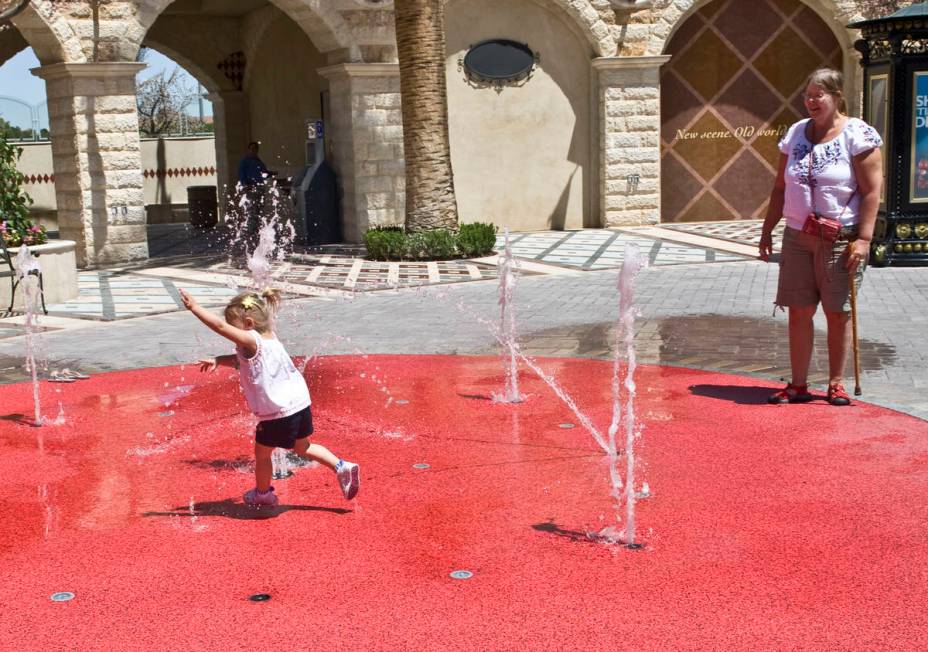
x=248, y=302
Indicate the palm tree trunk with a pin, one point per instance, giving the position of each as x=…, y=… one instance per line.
x=420, y=41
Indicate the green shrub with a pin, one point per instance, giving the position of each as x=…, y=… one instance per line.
x=392, y=243
x=477, y=239
x=385, y=243
x=440, y=244
x=416, y=248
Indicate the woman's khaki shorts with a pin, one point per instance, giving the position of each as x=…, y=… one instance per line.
x=812, y=270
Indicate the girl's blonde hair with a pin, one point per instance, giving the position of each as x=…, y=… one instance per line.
x=259, y=307
x=832, y=82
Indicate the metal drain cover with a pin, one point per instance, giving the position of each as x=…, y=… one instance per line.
x=566, y=425
x=420, y=465
x=260, y=597
x=461, y=574
x=62, y=596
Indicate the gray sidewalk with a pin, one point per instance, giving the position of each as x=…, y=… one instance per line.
x=713, y=316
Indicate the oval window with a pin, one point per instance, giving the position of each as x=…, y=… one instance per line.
x=499, y=60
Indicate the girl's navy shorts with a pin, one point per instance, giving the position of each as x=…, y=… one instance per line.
x=283, y=432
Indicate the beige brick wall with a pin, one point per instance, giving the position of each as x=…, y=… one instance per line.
x=629, y=135
x=365, y=133
x=96, y=159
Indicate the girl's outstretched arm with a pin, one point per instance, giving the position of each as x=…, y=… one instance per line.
x=243, y=339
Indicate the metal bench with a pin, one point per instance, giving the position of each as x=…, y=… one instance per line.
x=15, y=280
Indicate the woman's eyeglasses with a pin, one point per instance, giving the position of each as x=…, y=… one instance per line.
x=817, y=97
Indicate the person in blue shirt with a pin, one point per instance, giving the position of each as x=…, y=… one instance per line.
x=253, y=177
x=251, y=169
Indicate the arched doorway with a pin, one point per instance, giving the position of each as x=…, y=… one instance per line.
x=260, y=63
x=731, y=89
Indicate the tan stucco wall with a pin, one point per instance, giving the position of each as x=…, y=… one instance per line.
x=521, y=157
x=283, y=91
x=36, y=161
x=183, y=157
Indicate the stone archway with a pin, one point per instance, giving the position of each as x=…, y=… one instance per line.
x=587, y=20
x=318, y=18
x=836, y=14
x=49, y=34
x=260, y=62
x=728, y=94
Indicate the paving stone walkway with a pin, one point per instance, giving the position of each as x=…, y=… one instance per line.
x=701, y=315
x=744, y=232
x=605, y=248
x=185, y=259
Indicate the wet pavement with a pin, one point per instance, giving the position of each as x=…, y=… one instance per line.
x=710, y=316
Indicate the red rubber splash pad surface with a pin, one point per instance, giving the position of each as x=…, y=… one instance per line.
x=768, y=526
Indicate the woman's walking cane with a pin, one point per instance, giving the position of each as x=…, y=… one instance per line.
x=854, y=333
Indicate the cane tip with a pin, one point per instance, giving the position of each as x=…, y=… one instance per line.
x=857, y=391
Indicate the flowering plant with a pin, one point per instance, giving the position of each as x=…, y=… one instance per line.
x=15, y=225
x=22, y=232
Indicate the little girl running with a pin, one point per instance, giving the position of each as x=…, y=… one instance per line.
x=274, y=389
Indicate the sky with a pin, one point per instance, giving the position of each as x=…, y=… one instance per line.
x=16, y=81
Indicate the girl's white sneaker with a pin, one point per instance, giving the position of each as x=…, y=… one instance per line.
x=257, y=498
x=349, y=478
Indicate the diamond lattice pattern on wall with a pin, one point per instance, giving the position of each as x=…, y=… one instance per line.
x=731, y=89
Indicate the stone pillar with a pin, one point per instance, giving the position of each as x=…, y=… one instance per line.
x=97, y=159
x=233, y=131
x=628, y=89
x=365, y=136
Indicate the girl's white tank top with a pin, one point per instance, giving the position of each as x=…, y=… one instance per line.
x=272, y=385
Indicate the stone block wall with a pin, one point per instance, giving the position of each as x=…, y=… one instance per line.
x=365, y=134
x=97, y=163
x=96, y=159
x=629, y=119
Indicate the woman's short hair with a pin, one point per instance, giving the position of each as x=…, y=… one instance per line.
x=832, y=82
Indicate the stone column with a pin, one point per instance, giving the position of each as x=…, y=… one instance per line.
x=232, y=132
x=97, y=159
x=365, y=134
x=628, y=89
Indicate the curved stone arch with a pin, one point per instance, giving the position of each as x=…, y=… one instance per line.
x=587, y=20
x=49, y=34
x=677, y=14
x=210, y=81
x=317, y=18
x=255, y=25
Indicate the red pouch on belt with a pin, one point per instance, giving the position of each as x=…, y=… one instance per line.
x=822, y=227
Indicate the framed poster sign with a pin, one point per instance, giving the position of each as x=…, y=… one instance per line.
x=918, y=186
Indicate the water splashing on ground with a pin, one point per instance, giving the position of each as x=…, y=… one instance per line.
x=507, y=324
x=28, y=271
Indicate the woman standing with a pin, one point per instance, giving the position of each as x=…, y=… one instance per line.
x=828, y=189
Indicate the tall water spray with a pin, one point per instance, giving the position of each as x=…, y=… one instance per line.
x=259, y=266
x=633, y=263
x=27, y=270
x=507, y=322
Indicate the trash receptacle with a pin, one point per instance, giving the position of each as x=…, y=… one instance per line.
x=203, y=205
